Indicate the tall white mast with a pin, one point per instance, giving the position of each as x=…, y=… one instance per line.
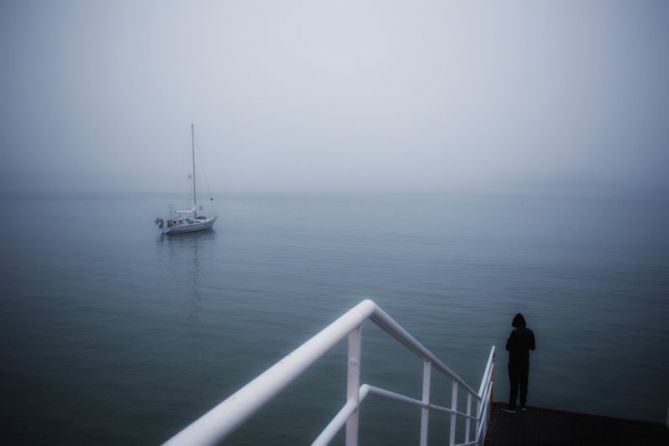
x=192, y=139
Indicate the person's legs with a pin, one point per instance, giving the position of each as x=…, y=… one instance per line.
x=513, y=388
x=522, y=378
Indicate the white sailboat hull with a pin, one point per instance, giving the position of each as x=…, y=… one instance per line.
x=196, y=225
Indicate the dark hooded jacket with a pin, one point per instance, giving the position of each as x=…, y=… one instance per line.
x=520, y=343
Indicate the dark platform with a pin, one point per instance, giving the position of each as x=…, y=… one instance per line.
x=547, y=427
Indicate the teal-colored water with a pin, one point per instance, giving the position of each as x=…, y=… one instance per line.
x=112, y=334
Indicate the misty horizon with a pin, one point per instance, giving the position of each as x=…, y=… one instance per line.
x=525, y=98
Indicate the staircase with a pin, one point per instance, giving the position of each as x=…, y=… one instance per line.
x=214, y=426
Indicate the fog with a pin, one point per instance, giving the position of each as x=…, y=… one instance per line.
x=531, y=97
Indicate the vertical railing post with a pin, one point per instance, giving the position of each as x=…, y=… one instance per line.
x=353, y=385
x=479, y=405
x=491, y=398
x=469, y=420
x=454, y=406
x=488, y=413
x=492, y=379
x=425, y=412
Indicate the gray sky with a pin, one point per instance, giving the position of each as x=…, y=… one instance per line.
x=557, y=97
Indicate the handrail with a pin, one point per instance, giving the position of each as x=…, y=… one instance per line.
x=224, y=418
x=384, y=321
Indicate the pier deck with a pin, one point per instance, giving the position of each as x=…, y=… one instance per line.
x=553, y=427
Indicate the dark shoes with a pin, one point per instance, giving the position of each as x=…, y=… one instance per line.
x=512, y=409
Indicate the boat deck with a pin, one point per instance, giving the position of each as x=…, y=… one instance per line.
x=548, y=427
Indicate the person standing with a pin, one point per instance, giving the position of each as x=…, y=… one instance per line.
x=519, y=344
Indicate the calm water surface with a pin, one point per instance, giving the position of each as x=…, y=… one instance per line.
x=112, y=334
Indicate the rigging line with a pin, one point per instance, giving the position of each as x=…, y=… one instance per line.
x=202, y=163
x=204, y=173
x=188, y=195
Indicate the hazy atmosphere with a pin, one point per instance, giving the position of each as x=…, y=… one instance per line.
x=558, y=98
x=457, y=162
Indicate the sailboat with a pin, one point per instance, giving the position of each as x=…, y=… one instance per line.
x=189, y=220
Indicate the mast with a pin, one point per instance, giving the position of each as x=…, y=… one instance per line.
x=192, y=140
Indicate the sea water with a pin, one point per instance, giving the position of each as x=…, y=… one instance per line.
x=114, y=334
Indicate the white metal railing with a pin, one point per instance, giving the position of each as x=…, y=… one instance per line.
x=223, y=419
